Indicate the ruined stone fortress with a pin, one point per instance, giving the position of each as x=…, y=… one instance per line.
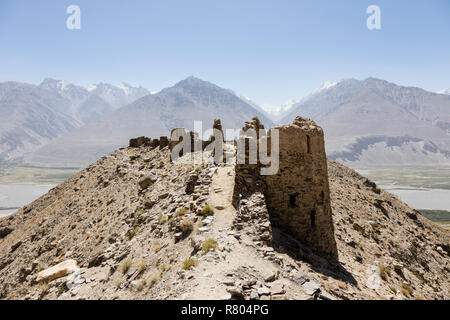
x=295, y=200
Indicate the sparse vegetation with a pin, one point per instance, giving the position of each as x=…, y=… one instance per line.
x=187, y=226
x=413, y=249
x=360, y=229
x=153, y=279
x=182, y=212
x=417, y=275
x=326, y=286
x=164, y=268
x=44, y=288
x=189, y=263
x=384, y=272
x=406, y=290
x=125, y=266
x=375, y=227
x=142, y=265
x=341, y=284
x=198, y=225
x=99, y=252
x=208, y=245
x=162, y=218
x=156, y=245
x=117, y=283
x=141, y=284
x=375, y=237
x=207, y=211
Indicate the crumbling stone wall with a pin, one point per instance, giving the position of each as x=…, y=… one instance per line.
x=218, y=126
x=297, y=197
x=148, y=142
x=250, y=187
x=141, y=141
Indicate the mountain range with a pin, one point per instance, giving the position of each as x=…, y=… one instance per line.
x=367, y=121
x=376, y=122
x=153, y=115
x=33, y=115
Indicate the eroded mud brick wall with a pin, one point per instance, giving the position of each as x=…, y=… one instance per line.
x=298, y=197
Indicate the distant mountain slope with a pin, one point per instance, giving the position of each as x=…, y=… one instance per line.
x=447, y=91
x=119, y=96
x=153, y=115
x=374, y=121
x=31, y=116
x=89, y=104
x=277, y=112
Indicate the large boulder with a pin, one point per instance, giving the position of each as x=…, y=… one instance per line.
x=148, y=180
x=58, y=271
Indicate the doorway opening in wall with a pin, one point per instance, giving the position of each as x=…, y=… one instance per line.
x=313, y=218
x=308, y=143
x=292, y=200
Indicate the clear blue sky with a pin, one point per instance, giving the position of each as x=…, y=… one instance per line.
x=270, y=51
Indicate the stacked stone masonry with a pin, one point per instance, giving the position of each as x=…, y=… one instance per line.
x=296, y=199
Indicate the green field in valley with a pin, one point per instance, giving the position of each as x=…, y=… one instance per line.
x=441, y=217
x=26, y=175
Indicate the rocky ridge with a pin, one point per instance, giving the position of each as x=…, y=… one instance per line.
x=138, y=226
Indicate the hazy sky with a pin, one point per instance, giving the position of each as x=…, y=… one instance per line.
x=269, y=51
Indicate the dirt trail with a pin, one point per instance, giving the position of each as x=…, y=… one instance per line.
x=209, y=270
x=221, y=197
x=232, y=253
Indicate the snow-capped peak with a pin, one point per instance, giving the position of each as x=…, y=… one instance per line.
x=127, y=89
x=92, y=87
x=326, y=85
x=276, y=110
x=123, y=89
x=60, y=85
x=63, y=85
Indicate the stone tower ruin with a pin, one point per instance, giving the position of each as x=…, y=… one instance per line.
x=297, y=198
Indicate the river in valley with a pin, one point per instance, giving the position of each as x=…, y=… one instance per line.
x=14, y=196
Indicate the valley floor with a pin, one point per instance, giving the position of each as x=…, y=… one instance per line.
x=423, y=187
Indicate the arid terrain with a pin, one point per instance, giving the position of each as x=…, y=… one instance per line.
x=134, y=225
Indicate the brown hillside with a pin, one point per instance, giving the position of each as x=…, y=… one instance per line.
x=133, y=220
